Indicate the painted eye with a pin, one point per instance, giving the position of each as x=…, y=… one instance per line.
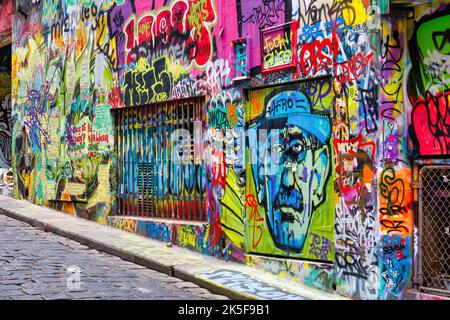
x=277, y=148
x=297, y=148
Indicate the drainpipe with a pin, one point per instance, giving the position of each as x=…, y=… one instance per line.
x=417, y=189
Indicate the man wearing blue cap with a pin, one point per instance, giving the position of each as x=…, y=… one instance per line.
x=293, y=165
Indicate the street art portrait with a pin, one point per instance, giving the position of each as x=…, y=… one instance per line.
x=291, y=160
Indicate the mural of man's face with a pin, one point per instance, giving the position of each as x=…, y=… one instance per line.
x=292, y=182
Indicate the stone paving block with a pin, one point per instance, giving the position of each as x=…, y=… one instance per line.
x=26, y=297
x=185, y=284
x=35, y=291
x=11, y=292
x=9, y=287
x=197, y=291
x=100, y=286
x=211, y=296
x=11, y=282
x=57, y=296
x=85, y=295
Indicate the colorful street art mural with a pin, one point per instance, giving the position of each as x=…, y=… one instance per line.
x=289, y=192
x=311, y=113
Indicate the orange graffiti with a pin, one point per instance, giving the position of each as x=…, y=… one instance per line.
x=395, y=196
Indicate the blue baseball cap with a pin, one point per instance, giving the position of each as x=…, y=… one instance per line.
x=292, y=108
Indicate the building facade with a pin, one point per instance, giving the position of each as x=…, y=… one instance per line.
x=286, y=135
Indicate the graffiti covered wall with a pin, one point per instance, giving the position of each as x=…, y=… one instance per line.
x=309, y=127
x=5, y=107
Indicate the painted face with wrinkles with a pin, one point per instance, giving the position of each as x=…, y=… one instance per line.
x=292, y=183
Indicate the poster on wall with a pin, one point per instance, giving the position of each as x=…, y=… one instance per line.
x=279, y=47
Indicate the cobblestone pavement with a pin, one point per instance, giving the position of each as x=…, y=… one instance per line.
x=36, y=265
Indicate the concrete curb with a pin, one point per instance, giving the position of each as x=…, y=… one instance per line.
x=211, y=286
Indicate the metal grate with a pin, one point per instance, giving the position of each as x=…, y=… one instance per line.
x=434, y=214
x=150, y=184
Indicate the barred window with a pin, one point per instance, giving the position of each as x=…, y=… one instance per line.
x=161, y=172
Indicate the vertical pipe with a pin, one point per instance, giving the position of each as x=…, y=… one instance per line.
x=183, y=195
x=192, y=106
x=145, y=161
x=136, y=160
x=133, y=160
x=127, y=164
x=202, y=113
x=190, y=200
x=159, y=172
x=196, y=117
x=119, y=162
x=141, y=167
x=175, y=166
x=154, y=124
x=121, y=154
x=193, y=201
x=154, y=157
x=163, y=173
x=136, y=153
x=159, y=151
x=194, y=193
x=170, y=164
x=166, y=173
x=130, y=161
